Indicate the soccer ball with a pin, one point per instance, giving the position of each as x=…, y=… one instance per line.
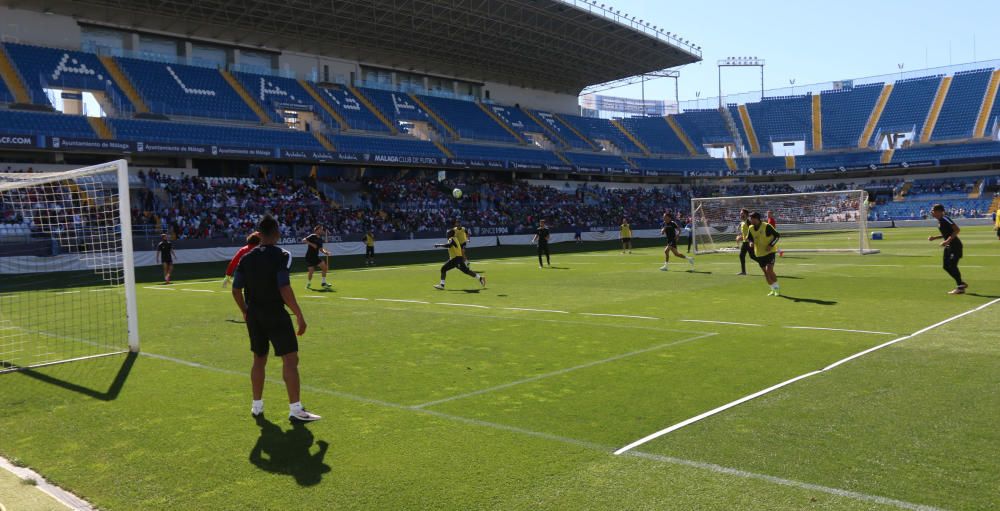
x=457, y=192
x=781, y=253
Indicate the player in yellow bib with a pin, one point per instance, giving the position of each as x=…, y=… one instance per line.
x=764, y=238
x=369, y=241
x=462, y=236
x=744, y=240
x=456, y=260
x=626, y=236
x=996, y=221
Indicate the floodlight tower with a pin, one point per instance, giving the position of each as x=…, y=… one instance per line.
x=741, y=62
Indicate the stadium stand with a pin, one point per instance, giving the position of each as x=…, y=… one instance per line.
x=5, y=94
x=837, y=160
x=399, y=107
x=188, y=133
x=47, y=68
x=601, y=129
x=519, y=121
x=734, y=111
x=189, y=91
x=656, y=134
x=845, y=112
x=393, y=146
x=468, y=119
x=767, y=163
x=46, y=124
x=961, y=107
x=596, y=160
x=357, y=116
x=948, y=152
x=704, y=127
x=275, y=92
x=562, y=131
x=779, y=119
x=498, y=153
x=680, y=165
x=908, y=105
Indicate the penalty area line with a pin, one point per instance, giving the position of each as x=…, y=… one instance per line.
x=785, y=383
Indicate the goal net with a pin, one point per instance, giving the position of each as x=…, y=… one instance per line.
x=67, y=283
x=808, y=222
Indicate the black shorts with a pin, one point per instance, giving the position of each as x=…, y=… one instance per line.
x=952, y=252
x=672, y=243
x=312, y=261
x=543, y=248
x=167, y=260
x=626, y=240
x=370, y=251
x=271, y=327
x=765, y=260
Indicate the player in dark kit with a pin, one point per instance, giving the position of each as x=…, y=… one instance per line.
x=952, y=247
x=542, y=238
x=744, y=238
x=670, y=230
x=315, y=243
x=261, y=290
x=165, y=254
x=456, y=259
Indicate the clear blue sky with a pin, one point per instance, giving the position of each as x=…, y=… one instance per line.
x=816, y=41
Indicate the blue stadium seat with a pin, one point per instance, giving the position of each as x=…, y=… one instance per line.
x=961, y=106
x=5, y=94
x=781, y=119
x=393, y=146
x=274, y=91
x=470, y=121
x=46, y=124
x=704, y=127
x=186, y=133
x=681, y=165
x=399, y=107
x=837, y=160
x=655, y=134
x=47, y=68
x=514, y=154
x=909, y=104
x=766, y=163
x=596, y=160
x=565, y=133
x=596, y=129
x=920, y=208
x=845, y=113
x=734, y=111
x=175, y=89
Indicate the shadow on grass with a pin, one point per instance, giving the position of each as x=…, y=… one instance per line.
x=700, y=272
x=467, y=291
x=983, y=296
x=290, y=452
x=110, y=394
x=808, y=300
x=559, y=268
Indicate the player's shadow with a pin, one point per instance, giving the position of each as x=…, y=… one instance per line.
x=700, y=272
x=808, y=300
x=112, y=392
x=290, y=452
x=982, y=296
x=237, y=321
x=467, y=291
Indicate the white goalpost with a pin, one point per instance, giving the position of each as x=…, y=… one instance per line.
x=808, y=222
x=67, y=274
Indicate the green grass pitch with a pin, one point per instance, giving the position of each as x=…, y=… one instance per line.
x=515, y=396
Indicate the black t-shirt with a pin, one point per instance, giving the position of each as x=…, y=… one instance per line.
x=261, y=274
x=543, y=235
x=166, y=250
x=313, y=253
x=670, y=230
x=946, y=226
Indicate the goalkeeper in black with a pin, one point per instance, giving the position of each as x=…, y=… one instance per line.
x=952, y=247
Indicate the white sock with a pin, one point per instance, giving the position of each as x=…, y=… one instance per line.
x=774, y=286
x=258, y=403
x=442, y=282
x=324, y=280
x=295, y=407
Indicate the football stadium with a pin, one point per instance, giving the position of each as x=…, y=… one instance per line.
x=494, y=254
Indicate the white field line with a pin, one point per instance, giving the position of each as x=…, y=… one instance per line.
x=159, y=288
x=562, y=371
x=387, y=268
x=615, y=315
x=400, y=301
x=534, y=310
x=197, y=290
x=353, y=298
x=67, y=292
x=314, y=296
x=840, y=330
x=710, y=467
x=60, y=495
x=772, y=388
x=462, y=305
x=718, y=322
x=100, y=290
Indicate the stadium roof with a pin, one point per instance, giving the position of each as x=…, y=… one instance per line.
x=556, y=45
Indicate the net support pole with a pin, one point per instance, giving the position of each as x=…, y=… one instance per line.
x=128, y=260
